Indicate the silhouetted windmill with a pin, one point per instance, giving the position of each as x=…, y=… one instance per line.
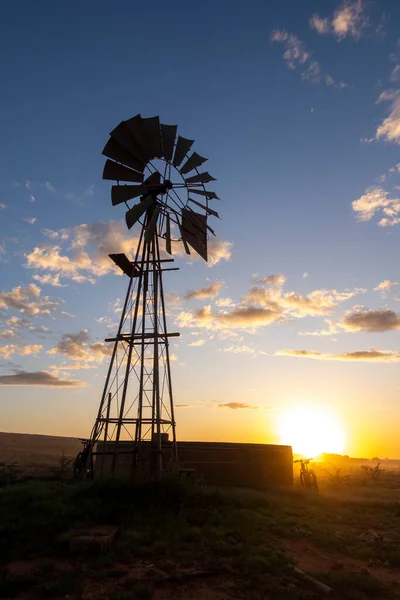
x=137, y=401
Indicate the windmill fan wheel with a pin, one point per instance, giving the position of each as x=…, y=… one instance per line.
x=166, y=191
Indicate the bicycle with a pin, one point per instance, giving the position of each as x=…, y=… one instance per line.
x=308, y=478
x=81, y=459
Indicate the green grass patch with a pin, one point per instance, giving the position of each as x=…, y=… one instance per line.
x=236, y=532
x=351, y=586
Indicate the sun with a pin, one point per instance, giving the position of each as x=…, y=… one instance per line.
x=311, y=431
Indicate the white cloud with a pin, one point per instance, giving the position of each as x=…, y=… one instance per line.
x=320, y=25
x=86, y=256
x=7, y=334
x=31, y=220
x=89, y=192
x=48, y=279
x=78, y=346
x=358, y=356
x=264, y=305
x=79, y=198
x=296, y=55
x=305, y=275
x=370, y=320
x=276, y=280
x=2, y=206
x=374, y=200
x=49, y=187
x=198, y=343
x=218, y=250
x=236, y=405
x=27, y=300
x=38, y=378
x=313, y=73
x=209, y=291
x=389, y=129
x=385, y=286
x=330, y=330
x=224, y=302
x=360, y=319
x=16, y=324
x=349, y=20
x=395, y=74
x=393, y=170
x=63, y=313
x=244, y=349
x=316, y=303
x=247, y=318
x=22, y=350
x=39, y=329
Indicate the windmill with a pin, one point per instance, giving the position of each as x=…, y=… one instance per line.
x=164, y=193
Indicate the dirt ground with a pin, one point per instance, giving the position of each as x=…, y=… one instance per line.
x=229, y=543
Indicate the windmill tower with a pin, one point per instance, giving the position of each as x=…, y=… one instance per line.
x=135, y=423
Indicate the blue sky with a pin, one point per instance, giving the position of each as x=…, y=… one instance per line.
x=297, y=107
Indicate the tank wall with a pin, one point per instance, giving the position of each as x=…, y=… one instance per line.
x=252, y=465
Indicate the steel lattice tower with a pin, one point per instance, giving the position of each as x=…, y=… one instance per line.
x=136, y=412
x=137, y=400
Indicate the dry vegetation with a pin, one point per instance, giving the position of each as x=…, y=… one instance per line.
x=183, y=540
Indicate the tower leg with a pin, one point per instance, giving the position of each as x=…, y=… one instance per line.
x=136, y=413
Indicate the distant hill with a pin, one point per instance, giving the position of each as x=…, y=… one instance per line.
x=350, y=462
x=31, y=449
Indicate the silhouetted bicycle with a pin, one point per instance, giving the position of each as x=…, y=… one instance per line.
x=81, y=459
x=308, y=478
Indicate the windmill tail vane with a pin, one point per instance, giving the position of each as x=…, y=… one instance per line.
x=135, y=424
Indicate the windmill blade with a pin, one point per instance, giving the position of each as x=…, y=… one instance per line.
x=134, y=213
x=151, y=227
x=151, y=126
x=200, y=178
x=204, y=193
x=168, y=236
x=123, y=136
x=117, y=172
x=182, y=148
x=209, y=210
x=211, y=230
x=194, y=231
x=117, y=152
x=184, y=242
x=122, y=193
x=138, y=132
x=194, y=161
x=168, y=139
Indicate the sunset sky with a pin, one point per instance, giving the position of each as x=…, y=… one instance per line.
x=297, y=107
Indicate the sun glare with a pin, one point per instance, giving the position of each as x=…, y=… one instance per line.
x=311, y=431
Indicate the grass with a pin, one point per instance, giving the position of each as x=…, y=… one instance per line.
x=44, y=583
x=238, y=534
x=351, y=586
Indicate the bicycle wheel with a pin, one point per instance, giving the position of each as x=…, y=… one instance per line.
x=313, y=481
x=78, y=465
